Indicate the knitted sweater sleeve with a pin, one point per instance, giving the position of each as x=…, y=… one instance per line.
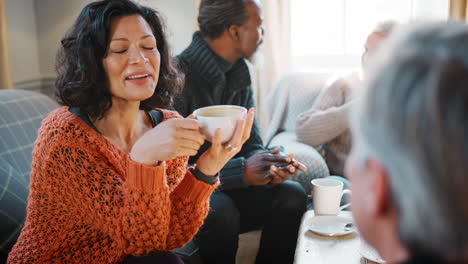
x=187, y=205
x=189, y=199
x=327, y=118
x=190, y=203
x=127, y=201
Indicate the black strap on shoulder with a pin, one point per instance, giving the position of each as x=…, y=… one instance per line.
x=84, y=117
x=156, y=117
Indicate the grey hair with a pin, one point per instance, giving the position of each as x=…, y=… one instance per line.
x=413, y=117
x=215, y=16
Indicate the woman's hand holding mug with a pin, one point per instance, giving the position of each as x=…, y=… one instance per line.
x=170, y=139
x=214, y=159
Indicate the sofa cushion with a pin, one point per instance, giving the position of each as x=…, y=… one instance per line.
x=21, y=113
x=13, y=195
x=293, y=95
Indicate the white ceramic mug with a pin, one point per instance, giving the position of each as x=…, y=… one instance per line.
x=326, y=196
x=219, y=116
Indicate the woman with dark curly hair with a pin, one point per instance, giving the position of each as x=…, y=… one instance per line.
x=109, y=180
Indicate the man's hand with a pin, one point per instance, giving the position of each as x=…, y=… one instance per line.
x=270, y=167
x=282, y=173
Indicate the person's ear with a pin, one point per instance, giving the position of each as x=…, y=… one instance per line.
x=379, y=199
x=233, y=31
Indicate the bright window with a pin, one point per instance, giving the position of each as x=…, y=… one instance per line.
x=330, y=34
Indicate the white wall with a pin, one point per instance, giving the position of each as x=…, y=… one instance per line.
x=179, y=16
x=54, y=18
x=35, y=28
x=22, y=40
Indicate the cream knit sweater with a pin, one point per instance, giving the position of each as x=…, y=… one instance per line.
x=326, y=122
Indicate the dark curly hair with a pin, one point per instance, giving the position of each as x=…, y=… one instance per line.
x=81, y=80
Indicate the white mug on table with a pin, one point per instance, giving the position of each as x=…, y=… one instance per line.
x=326, y=196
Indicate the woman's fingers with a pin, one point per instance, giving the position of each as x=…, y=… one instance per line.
x=188, y=152
x=249, y=124
x=191, y=135
x=242, y=127
x=236, y=140
x=187, y=147
x=191, y=117
x=185, y=123
x=188, y=144
x=242, y=131
x=216, y=141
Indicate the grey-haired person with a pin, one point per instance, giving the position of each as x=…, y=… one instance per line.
x=409, y=161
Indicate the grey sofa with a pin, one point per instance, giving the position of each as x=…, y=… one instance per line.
x=21, y=113
x=294, y=94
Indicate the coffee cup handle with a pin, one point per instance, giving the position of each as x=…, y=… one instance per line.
x=346, y=191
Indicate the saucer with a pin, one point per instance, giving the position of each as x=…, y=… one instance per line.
x=329, y=225
x=370, y=253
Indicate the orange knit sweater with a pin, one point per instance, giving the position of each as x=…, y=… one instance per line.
x=89, y=203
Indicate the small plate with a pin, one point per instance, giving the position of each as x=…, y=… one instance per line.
x=329, y=225
x=370, y=253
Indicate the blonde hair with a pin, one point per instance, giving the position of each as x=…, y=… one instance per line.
x=384, y=28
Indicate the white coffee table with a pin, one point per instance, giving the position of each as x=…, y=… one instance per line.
x=317, y=249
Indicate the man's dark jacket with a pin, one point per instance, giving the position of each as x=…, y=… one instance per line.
x=210, y=80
